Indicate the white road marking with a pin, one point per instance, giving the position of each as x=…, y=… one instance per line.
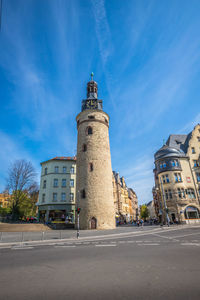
x=165, y=237
x=149, y=244
x=187, y=234
x=130, y=241
x=65, y=246
x=190, y=244
x=122, y=242
x=106, y=245
x=21, y=248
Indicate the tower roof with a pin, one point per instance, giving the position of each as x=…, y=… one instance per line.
x=92, y=88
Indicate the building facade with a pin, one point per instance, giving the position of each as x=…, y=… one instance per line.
x=57, y=190
x=5, y=200
x=94, y=173
x=151, y=210
x=176, y=192
x=125, y=200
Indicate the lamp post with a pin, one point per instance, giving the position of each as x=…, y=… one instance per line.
x=78, y=212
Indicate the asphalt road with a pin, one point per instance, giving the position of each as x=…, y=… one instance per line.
x=147, y=264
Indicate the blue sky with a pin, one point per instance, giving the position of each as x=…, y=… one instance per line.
x=146, y=59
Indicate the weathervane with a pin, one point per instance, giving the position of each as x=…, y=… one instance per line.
x=92, y=75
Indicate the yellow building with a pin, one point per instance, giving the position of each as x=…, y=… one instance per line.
x=125, y=200
x=5, y=200
x=177, y=178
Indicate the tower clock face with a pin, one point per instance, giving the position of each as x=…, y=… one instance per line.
x=92, y=104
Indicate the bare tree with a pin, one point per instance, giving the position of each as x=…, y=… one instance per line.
x=20, y=181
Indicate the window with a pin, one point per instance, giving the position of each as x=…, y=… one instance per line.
x=179, y=193
x=170, y=194
x=106, y=120
x=165, y=178
x=71, y=183
x=193, y=150
x=183, y=193
x=195, y=163
x=43, y=198
x=83, y=194
x=166, y=194
x=55, y=183
x=198, y=177
x=163, y=165
x=198, y=138
x=63, y=197
x=71, y=196
x=45, y=171
x=91, y=167
x=177, y=177
x=190, y=193
x=84, y=148
x=64, y=169
x=91, y=117
x=89, y=130
x=44, y=184
x=54, y=197
x=175, y=163
x=63, y=182
x=56, y=169
x=72, y=170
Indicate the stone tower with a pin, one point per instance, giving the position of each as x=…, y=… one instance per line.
x=94, y=173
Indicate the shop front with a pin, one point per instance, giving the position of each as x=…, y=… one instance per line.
x=57, y=214
x=192, y=214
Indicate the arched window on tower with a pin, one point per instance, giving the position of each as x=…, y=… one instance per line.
x=91, y=168
x=83, y=194
x=89, y=130
x=84, y=147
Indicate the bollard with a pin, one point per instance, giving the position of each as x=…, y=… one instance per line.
x=43, y=235
x=60, y=235
x=1, y=236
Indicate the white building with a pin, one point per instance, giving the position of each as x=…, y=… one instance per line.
x=151, y=209
x=57, y=190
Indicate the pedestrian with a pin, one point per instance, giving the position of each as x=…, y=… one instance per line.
x=138, y=223
x=142, y=222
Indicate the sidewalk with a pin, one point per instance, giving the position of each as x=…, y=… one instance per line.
x=85, y=235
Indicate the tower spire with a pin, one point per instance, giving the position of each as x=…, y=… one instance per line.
x=92, y=88
x=92, y=75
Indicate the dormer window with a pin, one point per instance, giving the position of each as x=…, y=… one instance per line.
x=178, y=142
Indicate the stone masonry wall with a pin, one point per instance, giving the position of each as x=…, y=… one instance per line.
x=97, y=184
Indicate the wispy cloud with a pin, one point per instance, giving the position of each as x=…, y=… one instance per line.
x=10, y=151
x=139, y=176
x=190, y=125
